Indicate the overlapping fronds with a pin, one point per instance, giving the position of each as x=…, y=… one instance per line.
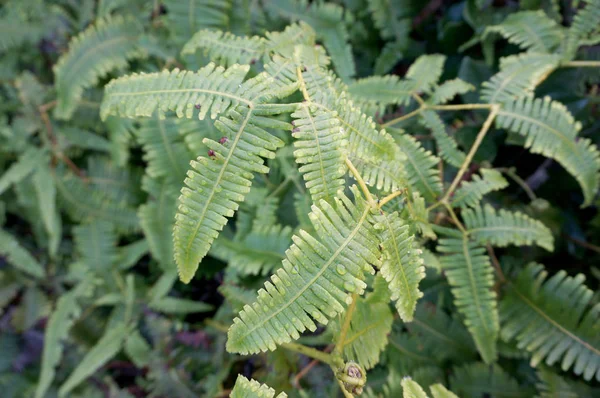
x=447, y=146
x=504, y=228
x=320, y=149
x=96, y=243
x=226, y=48
x=553, y=385
x=367, y=334
x=550, y=129
x=555, y=319
x=402, y=266
x=478, y=379
x=245, y=388
x=530, y=30
x=583, y=28
x=385, y=175
x=189, y=16
x=470, y=275
x=318, y=276
x=107, y=45
x=448, y=90
x=421, y=167
x=470, y=192
x=518, y=76
x=18, y=256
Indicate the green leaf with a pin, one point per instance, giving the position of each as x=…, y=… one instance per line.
x=186, y=17
x=439, y=391
x=138, y=349
x=411, y=389
x=172, y=305
x=226, y=48
x=27, y=162
x=425, y=72
x=447, y=146
x=555, y=319
x=19, y=257
x=479, y=379
x=245, y=388
x=96, y=243
x=471, y=192
x=450, y=89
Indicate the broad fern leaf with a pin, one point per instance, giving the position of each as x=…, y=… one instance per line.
x=318, y=276
x=503, y=228
x=447, y=146
x=469, y=273
x=402, y=267
x=245, y=388
x=555, y=319
x=18, y=256
x=518, y=76
x=530, y=30
x=549, y=129
x=225, y=48
x=448, y=90
x=320, y=149
x=471, y=192
x=552, y=385
x=92, y=54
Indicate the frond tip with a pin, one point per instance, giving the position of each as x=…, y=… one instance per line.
x=245, y=388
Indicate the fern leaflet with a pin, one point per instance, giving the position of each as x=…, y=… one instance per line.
x=245, y=388
x=447, y=145
x=471, y=192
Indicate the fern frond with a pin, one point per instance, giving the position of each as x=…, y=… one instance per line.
x=551, y=130
x=96, y=243
x=320, y=149
x=439, y=391
x=293, y=35
x=470, y=275
x=381, y=91
x=45, y=192
x=174, y=305
x=18, y=256
x=386, y=16
x=24, y=166
x=367, y=335
x=552, y=385
x=518, y=76
x=503, y=228
x=189, y=16
x=107, y=45
x=531, y=30
x=447, y=146
x=425, y=72
x=479, y=379
x=385, y=175
x=555, y=319
x=225, y=48
x=470, y=192
x=245, y=388
x=411, y=389
x=585, y=24
x=421, y=166
x=402, y=266
x=318, y=276
x=448, y=90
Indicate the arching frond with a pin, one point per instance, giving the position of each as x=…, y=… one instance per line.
x=318, y=276
x=555, y=319
x=226, y=48
x=245, y=388
x=402, y=266
x=518, y=76
x=470, y=275
x=421, y=166
x=551, y=130
x=18, y=256
x=107, y=45
x=530, y=30
x=448, y=90
x=320, y=149
x=478, y=379
x=447, y=146
x=470, y=192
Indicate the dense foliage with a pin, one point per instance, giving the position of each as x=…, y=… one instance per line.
x=293, y=198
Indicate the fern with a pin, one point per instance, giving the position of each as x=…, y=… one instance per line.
x=585, y=24
x=555, y=319
x=385, y=175
x=189, y=16
x=479, y=379
x=411, y=389
x=245, y=388
x=504, y=228
x=317, y=274
x=45, y=191
x=448, y=90
x=24, y=166
x=401, y=266
x=19, y=257
x=225, y=48
x=550, y=129
x=471, y=192
x=447, y=146
x=530, y=30
x=425, y=72
x=319, y=144
x=469, y=273
x=95, y=52
x=96, y=242
x=380, y=91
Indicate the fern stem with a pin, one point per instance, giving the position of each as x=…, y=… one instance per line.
x=496, y=263
x=454, y=218
x=403, y=117
x=391, y=196
x=313, y=353
x=339, y=346
x=463, y=168
x=511, y=173
x=461, y=107
x=361, y=183
x=582, y=64
x=303, y=88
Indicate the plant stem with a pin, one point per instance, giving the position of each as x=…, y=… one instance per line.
x=496, y=263
x=339, y=346
x=302, y=85
x=216, y=325
x=312, y=353
x=454, y=218
x=391, y=196
x=461, y=107
x=582, y=64
x=361, y=183
x=403, y=117
x=511, y=173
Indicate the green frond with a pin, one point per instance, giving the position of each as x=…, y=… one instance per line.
x=531, y=30
x=226, y=48
x=245, y=388
x=402, y=266
x=105, y=46
x=18, y=256
x=391, y=52
x=471, y=192
x=518, y=76
x=96, y=243
x=385, y=175
x=425, y=72
x=439, y=391
x=549, y=129
x=421, y=166
x=470, y=275
x=555, y=319
x=164, y=148
x=381, y=91
x=447, y=146
x=584, y=25
x=411, y=389
x=551, y=385
x=504, y=228
x=318, y=276
x=285, y=42
x=367, y=335
x=24, y=166
x=419, y=216
x=320, y=150
x=45, y=191
x=186, y=17
x=386, y=16
x=257, y=252
x=478, y=379
x=448, y=90
x=173, y=305
x=60, y=322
